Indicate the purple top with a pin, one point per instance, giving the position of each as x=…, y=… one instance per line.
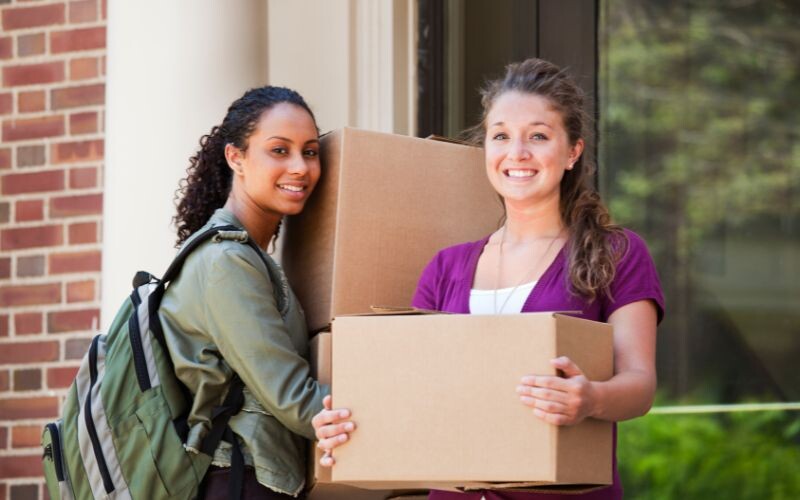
x=445, y=285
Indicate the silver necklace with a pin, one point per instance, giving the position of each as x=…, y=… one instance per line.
x=524, y=276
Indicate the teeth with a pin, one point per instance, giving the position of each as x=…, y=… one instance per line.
x=520, y=173
x=291, y=188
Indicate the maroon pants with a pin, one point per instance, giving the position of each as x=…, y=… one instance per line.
x=216, y=487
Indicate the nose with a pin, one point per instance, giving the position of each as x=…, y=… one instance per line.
x=298, y=165
x=518, y=151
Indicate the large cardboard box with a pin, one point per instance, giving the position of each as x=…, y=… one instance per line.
x=384, y=206
x=435, y=403
x=319, y=478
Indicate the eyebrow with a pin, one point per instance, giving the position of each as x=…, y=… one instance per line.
x=310, y=141
x=531, y=123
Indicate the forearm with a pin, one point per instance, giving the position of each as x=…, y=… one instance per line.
x=626, y=395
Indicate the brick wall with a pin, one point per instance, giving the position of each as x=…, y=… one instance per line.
x=52, y=58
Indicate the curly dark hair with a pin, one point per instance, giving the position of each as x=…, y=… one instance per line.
x=596, y=243
x=208, y=177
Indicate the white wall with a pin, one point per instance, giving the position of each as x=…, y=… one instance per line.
x=173, y=69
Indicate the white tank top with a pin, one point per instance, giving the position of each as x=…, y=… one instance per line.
x=507, y=300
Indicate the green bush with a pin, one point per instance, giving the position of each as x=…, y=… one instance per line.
x=745, y=455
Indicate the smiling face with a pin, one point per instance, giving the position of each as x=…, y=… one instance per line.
x=527, y=148
x=280, y=167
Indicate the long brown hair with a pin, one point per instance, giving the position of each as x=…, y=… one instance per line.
x=596, y=244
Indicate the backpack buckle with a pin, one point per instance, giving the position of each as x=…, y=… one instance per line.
x=240, y=236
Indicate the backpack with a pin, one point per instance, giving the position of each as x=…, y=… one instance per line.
x=123, y=423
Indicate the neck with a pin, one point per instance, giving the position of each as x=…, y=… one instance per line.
x=260, y=225
x=531, y=222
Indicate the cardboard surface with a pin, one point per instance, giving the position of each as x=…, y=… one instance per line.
x=434, y=397
x=319, y=477
x=384, y=206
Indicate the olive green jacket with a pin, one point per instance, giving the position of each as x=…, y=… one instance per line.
x=224, y=313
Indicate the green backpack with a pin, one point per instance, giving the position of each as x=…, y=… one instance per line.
x=123, y=424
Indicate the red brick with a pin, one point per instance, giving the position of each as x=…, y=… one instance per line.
x=82, y=178
x=76, y=348
x=29, y=102
x=36, y=182
x=82, y=232
x=33, y=128
x=3, y=440
x=29, y=210
x=32, y=74
x=83, y=11
x=22, y=466
x=6, y=49
x=68, y=206
x=73, y=321
x=73, y=97
x=70, y=152
x=31, y=237
x=29, y=379
x=28, y=352
x=5, y=384
x=80, y=291
x=61, y=377
x=83, y=68
x=29, y=295
x=30, y=265
x=5, y=268
x=29, y=17
x=6, y=103
x=5, y=212
x=26, y=436
x=31, y=156
x=27, y=323
x=23, y=491
x=30, y=45
x=77, y=39
x=74, y=262
x=83, y=123
x=4, y=325
x=5, y=158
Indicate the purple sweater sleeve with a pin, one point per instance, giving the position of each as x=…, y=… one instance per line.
x=425, y=297
x=636, y=279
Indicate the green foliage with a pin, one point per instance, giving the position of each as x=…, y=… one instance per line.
x=745, y=455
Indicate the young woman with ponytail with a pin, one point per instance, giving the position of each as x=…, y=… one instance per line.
x=231, y=309
x=556, y=251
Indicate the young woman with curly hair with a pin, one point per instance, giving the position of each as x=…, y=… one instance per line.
x=556, y=251
x=231, y=310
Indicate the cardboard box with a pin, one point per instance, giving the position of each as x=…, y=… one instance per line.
x=384, y=206
x=319, y=478
x=435, y=403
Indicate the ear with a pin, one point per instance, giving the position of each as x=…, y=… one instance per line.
x=575, y=153
x=234, y=157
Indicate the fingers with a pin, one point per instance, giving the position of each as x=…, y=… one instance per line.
x=328, y=444
x=567, y=366
x=331, y=430
x=328, y=416
x=327, y=459
x=327, y=402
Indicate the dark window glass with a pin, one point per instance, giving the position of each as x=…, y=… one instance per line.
x=700, y=153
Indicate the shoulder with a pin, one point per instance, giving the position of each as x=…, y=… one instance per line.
x=630, y=246
x=457, y=257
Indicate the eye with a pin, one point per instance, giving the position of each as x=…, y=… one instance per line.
x=539, y=137
x=500, y=136
x=279, y=150
x=310, y=153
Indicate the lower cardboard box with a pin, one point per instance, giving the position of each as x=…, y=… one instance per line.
x=435, y=403
x=319, y=477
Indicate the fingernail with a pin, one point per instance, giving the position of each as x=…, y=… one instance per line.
x=349, y=426
x=344, y=413
x=342, y=438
